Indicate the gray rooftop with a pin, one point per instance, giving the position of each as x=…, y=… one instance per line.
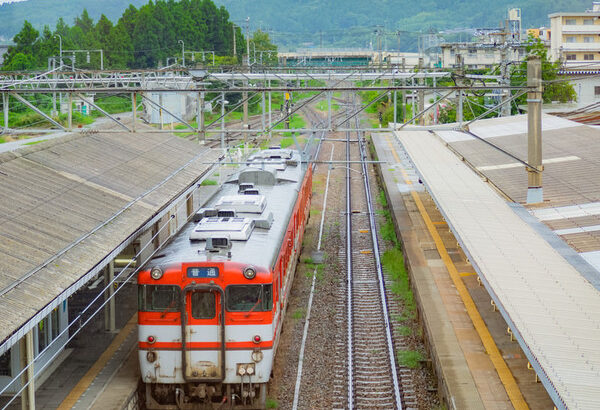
x=61, y=210
x=262, y=247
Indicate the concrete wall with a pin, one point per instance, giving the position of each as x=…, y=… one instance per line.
x=585, y=89
x=183, y=105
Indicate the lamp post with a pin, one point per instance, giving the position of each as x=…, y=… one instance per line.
x=182, y=51
x=59, y=48
x=248, y=38
x=54, y=112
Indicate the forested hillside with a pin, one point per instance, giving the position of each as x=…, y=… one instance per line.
x=42, y=12
x=296, y=23
x=142, y=38
x=353, y=22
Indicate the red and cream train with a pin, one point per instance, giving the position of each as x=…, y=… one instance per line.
x=211, y=304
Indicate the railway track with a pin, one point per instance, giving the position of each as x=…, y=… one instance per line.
x=367, y=378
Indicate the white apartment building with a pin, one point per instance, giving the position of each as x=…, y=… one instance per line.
x=480, y=55
x=575, y=39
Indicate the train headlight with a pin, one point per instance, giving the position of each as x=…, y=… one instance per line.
x=156, y=273
x=250, y=273
x=250, y=369
x=241, y=369
x=257, y=356
x=151, y=356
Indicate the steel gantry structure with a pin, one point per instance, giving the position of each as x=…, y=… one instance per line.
x=262, y=82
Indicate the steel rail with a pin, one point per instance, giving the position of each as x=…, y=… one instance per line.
x=380, y=277
x=349, y=277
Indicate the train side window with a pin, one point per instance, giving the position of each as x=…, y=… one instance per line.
x=158, y=298
x=203, y=305
x=268, y=297
x=249, y=298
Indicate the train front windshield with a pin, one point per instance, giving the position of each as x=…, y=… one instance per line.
x=249, y=298
x=158, y=298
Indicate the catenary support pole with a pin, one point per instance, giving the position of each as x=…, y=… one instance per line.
x=270, y=114
x=459, y=93
x=534, y=130
x=435, y=110
x=395, y=108
x=329, y=110
x=200, y=118
x=505, y=109
x=27, y=377
x=70, y=112
x=5, y=102
x=110, y=323
x=263, y=111
x=421, y=94
x=160, y=111
x=413, y=94
x=133, y=110
x=223, y=121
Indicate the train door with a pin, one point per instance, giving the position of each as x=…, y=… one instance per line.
x=203, y=322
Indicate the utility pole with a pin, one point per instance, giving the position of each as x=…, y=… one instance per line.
x=534, y=130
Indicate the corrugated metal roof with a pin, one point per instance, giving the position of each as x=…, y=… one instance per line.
x=53, y=194
x=553, y=310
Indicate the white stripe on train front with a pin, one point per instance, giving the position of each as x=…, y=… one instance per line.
x=207, y=333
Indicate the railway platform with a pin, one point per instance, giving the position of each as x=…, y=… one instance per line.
x=476, y=362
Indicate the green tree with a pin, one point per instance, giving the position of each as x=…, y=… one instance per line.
x=261, y=42
x=119, y=48
x=24, y=41
x=555, y=88
x=20, y=62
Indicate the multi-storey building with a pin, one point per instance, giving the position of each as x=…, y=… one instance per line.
x=575, y=39
x=480, y=55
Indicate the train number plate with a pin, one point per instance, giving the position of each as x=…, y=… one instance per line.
x=203, y=272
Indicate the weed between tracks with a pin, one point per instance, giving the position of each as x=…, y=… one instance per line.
x=393, y=265
x=208, y=182
x=409, y=358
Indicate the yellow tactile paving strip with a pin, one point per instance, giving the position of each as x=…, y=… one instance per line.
x=91, y=374
x=506, y=377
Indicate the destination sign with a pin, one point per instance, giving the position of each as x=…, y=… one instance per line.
x=203, y=272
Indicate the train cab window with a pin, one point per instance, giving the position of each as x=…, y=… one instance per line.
x=249, y=298
x=203, y=305
x=158, y=298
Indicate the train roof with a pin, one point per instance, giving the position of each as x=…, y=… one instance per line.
x=246, y=220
